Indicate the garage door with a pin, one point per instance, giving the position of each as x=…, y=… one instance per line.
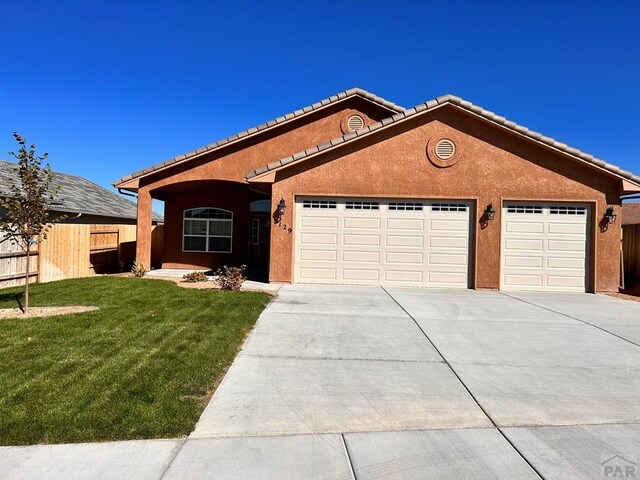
x=544, y=247
x=382, y=242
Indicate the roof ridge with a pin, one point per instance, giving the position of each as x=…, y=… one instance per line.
x=55, y=172
x=79, y=195
x=465, y=105
x=263, y=126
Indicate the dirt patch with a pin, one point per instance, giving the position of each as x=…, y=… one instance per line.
x=633, y=295
x=36, y=312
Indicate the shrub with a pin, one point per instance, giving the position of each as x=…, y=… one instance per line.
x=138, y=269
x=195, y=277
x=230, y=278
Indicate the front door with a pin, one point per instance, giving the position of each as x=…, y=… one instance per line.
x=259, y=237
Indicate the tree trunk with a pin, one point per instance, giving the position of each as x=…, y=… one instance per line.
x=26, y=280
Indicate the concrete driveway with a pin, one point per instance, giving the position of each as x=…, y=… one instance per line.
x=368, y=383
x=403, y=383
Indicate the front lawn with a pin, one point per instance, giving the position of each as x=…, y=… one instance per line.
x=142, y=366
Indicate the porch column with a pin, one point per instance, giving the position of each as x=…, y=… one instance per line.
x=143, y=228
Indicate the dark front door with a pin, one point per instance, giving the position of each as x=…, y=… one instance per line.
x=259, y=237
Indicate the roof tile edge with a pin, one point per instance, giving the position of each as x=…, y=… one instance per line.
x=271, y=123
x=488, y=115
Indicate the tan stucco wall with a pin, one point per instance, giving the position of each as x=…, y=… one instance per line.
x=494, y=166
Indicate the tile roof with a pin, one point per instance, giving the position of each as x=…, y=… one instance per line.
x=630, y=213
x=78, y=195
x=277, y=121
x=465, y=105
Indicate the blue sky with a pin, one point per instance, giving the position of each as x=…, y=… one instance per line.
x=108, y=88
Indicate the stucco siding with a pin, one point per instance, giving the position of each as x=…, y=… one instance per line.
x=231, y=164
x=493, y=166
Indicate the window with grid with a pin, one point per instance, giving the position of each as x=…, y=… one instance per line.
x=537, y=209
x=449, y=207
x=319, y=204
x=207, y=230
x=363, y=205
x=255, y=231
x=567, y=210
x=405, y=206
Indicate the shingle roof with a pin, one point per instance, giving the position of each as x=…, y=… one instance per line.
x=630, y=213
x=465, y=105
x=78, y=195
x=277, y=121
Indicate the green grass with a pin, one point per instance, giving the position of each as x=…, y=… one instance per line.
x=142, y=366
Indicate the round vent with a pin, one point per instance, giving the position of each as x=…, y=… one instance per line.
x=355, y=122
x=445, y=149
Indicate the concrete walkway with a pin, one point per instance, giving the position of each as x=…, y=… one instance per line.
x=368, y=383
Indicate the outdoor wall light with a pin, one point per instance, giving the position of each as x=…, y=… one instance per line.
x=610, y=215
x=281, y=207
x=490, y=212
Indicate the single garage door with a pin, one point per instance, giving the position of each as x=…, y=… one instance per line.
x=544, y=247
x=382, y=242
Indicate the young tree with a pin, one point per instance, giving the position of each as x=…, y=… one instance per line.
x=26, y=217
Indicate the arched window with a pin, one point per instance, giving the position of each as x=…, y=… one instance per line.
x=207, y=230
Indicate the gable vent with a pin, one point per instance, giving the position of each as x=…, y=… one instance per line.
x=445, y=149
x=355, y=122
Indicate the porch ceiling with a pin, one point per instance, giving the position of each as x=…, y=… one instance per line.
x=168, y=191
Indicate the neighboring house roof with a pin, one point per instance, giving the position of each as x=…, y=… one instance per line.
x=77, y=195
x=631, y=213
x=432, y=104
x=392, y=107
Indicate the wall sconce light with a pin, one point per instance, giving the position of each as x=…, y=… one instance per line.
x=610, y=215
x=490, y=212
x=282, y=207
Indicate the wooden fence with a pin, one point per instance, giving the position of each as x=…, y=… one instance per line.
x=13, y=263
x=73, y=251
x=631, y=255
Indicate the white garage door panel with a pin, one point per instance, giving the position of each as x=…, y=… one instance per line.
x=319, y=255
x=380, y=241
x=404, y=257
x=544, y=247
x=403, y=277
x=319, y=239
x=327, y=222
x=522, y=281
x=515, y=261
x=325, y=273
x=571, y=263
x=393, y=240
x=405, y=224
x=565, y=282
x=351, y=274
x=370, y=223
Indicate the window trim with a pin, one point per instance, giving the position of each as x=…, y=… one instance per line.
x=207, y=236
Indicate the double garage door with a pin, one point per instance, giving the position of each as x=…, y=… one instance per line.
x=428, y=243
x=382, y=242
